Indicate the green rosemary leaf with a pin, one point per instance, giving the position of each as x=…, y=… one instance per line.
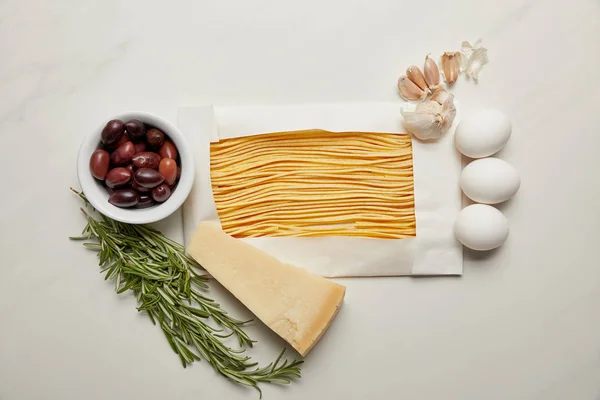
x=224, y=336
x=166, y=297
x=111, y=271
x=171, y=292
x=78, y=237
x=133, y=282
x=200, y=313
x=118, y=282
x=152, y=318
x=277, y=360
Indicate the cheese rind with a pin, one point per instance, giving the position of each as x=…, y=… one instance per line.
x=295, y=304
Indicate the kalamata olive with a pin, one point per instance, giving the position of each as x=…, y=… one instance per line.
x=168, y=149
x=155, y=137
x=118, y=177
x=99, y=162
x=124, y=198
x=112, y=131
x=131, y=168
x=123, y=154
x=168, y=169
x=149, y=178
x=136, y=129
x=146, y=159
x=161, y=193
x=113, y=146
x=123, y=139
x=139, y=188
x=146, y=201
x=140, y=147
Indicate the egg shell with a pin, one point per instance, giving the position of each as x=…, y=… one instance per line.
x=489, y=180
x=483, y=134
x=481, y=227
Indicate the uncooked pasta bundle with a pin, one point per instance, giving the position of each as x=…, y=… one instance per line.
x=315, y=183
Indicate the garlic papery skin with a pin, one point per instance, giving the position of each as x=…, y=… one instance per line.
x=451, y=66
x=431, y=73
x=475, y=57
x=416, y=76
x=449, y=112
x=429, y=120
x=441, y=96
x=409, y=90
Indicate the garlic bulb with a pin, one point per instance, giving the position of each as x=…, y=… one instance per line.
x=432, y=73
x=430, y=120
x=451, y=66
x=409, y=90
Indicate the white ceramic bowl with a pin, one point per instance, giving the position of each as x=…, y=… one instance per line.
x=97, y=193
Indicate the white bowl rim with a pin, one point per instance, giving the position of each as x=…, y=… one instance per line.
x=91, y=186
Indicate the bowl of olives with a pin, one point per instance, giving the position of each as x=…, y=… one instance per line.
x=136, y=168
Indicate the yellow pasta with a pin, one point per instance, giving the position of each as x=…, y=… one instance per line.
x=315, y=183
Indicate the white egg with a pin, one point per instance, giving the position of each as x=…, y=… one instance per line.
x=482, y=135
x=490, y=180
x=481, y=227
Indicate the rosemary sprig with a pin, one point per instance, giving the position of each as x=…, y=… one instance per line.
x=170, y=289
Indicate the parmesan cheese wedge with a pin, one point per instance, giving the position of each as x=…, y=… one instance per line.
x=295, y=304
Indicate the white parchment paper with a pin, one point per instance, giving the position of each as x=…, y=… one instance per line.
x=434, y=250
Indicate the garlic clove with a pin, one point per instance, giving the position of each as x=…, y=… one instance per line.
x=451, y=66
x=441, y=96
x=409, y=90
x=416, y=76
x=432, y=73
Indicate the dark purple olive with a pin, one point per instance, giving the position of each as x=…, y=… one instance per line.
x=140, y=147
x=136, y=129
x=124, y=198
x=113, y=146
x=139, y=188
x=123, y=154
x=146, y=201
x=155, y=137
x=123, y=139
x=161, y=193
x=131, y=168
x=118, y=177
x=99, y=163
x=113, y=131
x=147, y=159
x=168, y=150
x=149, y=178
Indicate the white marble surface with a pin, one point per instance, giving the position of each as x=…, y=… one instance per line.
x=523, y=322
